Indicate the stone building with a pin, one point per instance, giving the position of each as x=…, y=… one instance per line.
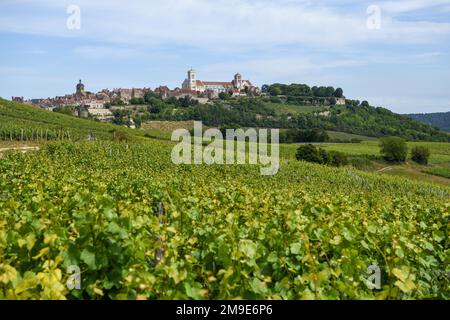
x=17, y=99
x=80, y=89
x=236, y=85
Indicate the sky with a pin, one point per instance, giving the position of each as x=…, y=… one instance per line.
x=395, y=54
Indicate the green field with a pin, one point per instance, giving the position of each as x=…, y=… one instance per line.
x=334, y=135
x=440, y=151
x=440, y=171
x=140, y=227
x=283, y=108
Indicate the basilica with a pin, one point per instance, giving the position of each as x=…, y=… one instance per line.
x=237, y=85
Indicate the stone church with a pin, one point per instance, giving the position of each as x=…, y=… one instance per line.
x=236, y=85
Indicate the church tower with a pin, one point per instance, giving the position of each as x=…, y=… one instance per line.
x=192, y=78
x=80, y=89
x=238, y=81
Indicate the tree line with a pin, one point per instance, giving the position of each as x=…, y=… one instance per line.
x=302, y=90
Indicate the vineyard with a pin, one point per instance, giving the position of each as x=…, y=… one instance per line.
x=139, y=227
x=26, y=123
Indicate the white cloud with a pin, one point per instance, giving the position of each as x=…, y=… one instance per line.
x=323, y=42
x=102, y=52
x=403, y=6
x=225, y=23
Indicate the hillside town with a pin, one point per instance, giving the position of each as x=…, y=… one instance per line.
x=99, y=105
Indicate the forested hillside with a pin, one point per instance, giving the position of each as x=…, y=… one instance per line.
x=439, y=120
x=352, y=118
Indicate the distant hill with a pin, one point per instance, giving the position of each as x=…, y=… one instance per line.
x=19, y=121
x=355, y=118
x=439, y=120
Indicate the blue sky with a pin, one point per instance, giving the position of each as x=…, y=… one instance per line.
x=404, y=65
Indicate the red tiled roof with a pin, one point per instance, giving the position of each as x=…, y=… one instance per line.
x=162, y=88
x=212, y=83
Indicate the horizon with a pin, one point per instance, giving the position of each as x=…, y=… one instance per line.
x=401, y=64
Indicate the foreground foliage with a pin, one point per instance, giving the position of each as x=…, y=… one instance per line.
x=139, y=227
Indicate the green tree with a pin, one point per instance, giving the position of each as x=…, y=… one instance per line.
x=420, y=155
x=339, y=93
x=394, y=149
x=365, y=104
x=338, y=159
x=309, y=153
x=224, y=95
x=275, y=91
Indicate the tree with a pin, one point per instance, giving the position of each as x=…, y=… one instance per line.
x=338, y=159
x=137, y=101
x=394, y=149
x=275, y=91
x=329, y=91
x=339, y=93
x=324, y=156
x=117, y=102
x=310, y=153
x=224, y=95
x=365, y=104
x=420, y=155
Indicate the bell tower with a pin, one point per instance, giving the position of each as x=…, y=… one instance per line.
x=238, y=81
x=80, y=89
x=192, y=78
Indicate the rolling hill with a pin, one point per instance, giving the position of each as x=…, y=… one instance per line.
x=439, y=120
x=31, y=123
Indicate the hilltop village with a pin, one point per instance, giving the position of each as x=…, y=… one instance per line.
x=101, y=104
x=125, y=106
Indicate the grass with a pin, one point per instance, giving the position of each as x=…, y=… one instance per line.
x=440, y=151
x=168, y=126
x=16, y=116
x=283, y=108
x=336, y=135
x=439, y=171
x=21, y=116
x=414, y=172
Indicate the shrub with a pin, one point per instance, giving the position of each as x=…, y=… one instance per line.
x=324, y=156
x=120, y=136
x=275, y=100
x=338, y=159
x=309, y=153
x=420, y=155
x=394, y=149
x=224, y=96
x=308, y=135
x=362, y=162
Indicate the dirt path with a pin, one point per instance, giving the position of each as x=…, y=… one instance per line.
x=23, y=149
x=385, y=169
